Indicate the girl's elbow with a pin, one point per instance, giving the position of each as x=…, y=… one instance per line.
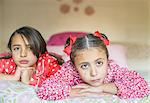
x=41, y=94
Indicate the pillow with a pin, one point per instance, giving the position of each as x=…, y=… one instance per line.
x=117, y=52
x=58, y=50
x=60, y=38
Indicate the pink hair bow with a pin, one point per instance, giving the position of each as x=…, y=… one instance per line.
x=67, y=49
x=98, y=34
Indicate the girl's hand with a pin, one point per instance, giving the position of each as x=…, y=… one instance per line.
x=102, y=90
x=88, y=88
x=85, y=90
x=27, y=74
x=17, y=75
x=74, y=92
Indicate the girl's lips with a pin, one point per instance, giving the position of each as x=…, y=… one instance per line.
x=23, y=62
x=97, y=80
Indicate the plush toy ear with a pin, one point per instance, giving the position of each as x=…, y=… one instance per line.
x=5, y=55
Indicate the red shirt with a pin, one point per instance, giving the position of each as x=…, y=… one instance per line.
x=46, y=66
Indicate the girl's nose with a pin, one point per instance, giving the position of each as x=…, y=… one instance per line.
x=93, y=71
x=23, y=53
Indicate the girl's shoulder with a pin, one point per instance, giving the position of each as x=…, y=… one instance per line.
x=111, y=63
x=68, y=64
x=113, y=66
x=48, y=61
x=7, y=66
x=46, y=56
x=51, y=57
x=7, y=61
x=70, y=71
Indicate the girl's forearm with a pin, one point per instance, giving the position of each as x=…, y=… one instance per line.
x=109, y=88
x=15, y=77
x=9, y=77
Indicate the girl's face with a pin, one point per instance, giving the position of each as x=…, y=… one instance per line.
x=21, y=52
x=91, y=64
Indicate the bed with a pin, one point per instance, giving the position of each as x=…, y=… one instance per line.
x=16, y=92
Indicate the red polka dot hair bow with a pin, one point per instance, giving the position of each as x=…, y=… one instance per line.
x=67, y=49
x=105, y=40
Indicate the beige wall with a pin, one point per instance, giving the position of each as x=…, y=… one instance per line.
x=0, y=17
x=149, y=38
x=1, y=23
x=149, y=23
x=122, y=20
x=139, y=58
x=126, y=21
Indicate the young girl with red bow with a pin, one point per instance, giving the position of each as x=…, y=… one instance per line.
x=90, y=72
x=29, y=62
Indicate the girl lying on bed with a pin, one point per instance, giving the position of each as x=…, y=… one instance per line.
x=29, y=61
x=90, y=72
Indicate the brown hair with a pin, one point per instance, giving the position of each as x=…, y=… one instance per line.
x=85, y=42
x=36, y=42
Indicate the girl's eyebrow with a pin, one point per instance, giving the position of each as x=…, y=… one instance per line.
x=88, y=62
x=83, y=63
x=99, y=59
x=20, y=45
x=16, y=45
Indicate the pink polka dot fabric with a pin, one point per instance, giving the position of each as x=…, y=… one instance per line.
x=129, y=83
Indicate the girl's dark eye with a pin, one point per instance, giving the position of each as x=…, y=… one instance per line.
x=99, y=63
x=16, y=49
x=84, y=66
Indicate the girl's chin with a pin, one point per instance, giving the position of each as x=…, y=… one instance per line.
x=24, y=65
x=95, y=84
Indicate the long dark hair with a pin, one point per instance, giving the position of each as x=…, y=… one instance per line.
x=85, y=42
x=35, y=39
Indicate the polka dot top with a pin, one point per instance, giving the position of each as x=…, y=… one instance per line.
x=46, y=66
x=129, y=83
